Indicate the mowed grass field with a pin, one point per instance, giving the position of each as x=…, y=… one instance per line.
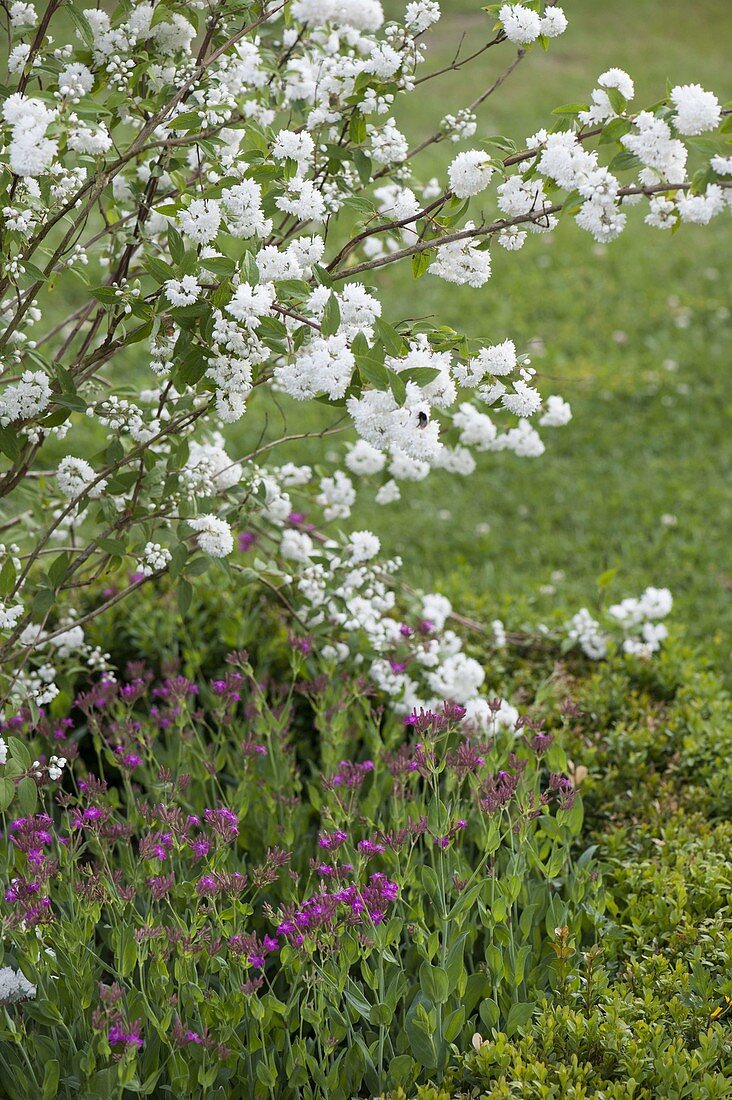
x=635, y=335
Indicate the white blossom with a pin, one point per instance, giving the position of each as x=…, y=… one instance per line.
x=469, y=173
x=75, y=476
x=200, y=220
x=521, y=24
x=183, y=292
x=696, y=110
x=214, y=535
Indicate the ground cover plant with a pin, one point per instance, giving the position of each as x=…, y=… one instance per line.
x=276, y=823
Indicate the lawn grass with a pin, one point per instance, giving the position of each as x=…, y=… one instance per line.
x=633, y=334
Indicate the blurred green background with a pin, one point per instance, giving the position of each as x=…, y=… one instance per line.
x=634, y=334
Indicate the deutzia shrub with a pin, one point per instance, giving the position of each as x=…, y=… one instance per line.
x=197, y=202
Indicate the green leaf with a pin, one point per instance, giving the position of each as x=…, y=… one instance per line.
x=27, y=795
x=489, y=1012
x=381, y=1015
x=363, y=165
x=331, y=317
x=397, y=387
x=127, y=955
x=518, y=1017
x=10, y=444
x=7, y=577
x=614, y=130
x=176, y=245
x=222, y=267
x=357, y=128
x=42, y=603
x=7, y=793
x=605, y=578
x=193, y=366
x=389, y=337
x=82, y=25
x=199, y=565
x=569, y=110
x=371, y=368
x=434, y=983
x=575, y=816
x=57, y=569
x=505, y=144
x=185, y=595
x=572, y=203
x=159, y=270
x=618, y=101
x=159, y=15
x=113, y=546
x=421, y=261
x=105, y=294
x=179, y=557
x=19, y=752
x=452, y=1024
x=51, y=1074
x=421, y=375
x=356, y=1000
x=266, y=1075
x=624, y=162
x=465, y=901
x=401, y=1069
x=421, y=1042
x=71, y=401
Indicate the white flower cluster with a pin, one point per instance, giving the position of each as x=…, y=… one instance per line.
x=28, y=397
x=209, y=471
x=31, y=152
x=634, y=621
x=14, y=986
x=75, y=476
x=66, y=643
x=470, y=173
x=154, y=559
x=347, y=591
x=523, y=25
x=214, y=535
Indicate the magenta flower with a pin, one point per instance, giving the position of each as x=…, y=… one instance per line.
x=118, y=1035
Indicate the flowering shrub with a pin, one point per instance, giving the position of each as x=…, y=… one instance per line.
x=209, y=187
x=208, y=906
x=311, y=885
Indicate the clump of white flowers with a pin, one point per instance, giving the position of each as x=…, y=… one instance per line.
x=214, y=535
x=14, y=986
x=470, y=173
x=248, y=208
x=154, y=559
x=75, y=476
x=633, y=624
